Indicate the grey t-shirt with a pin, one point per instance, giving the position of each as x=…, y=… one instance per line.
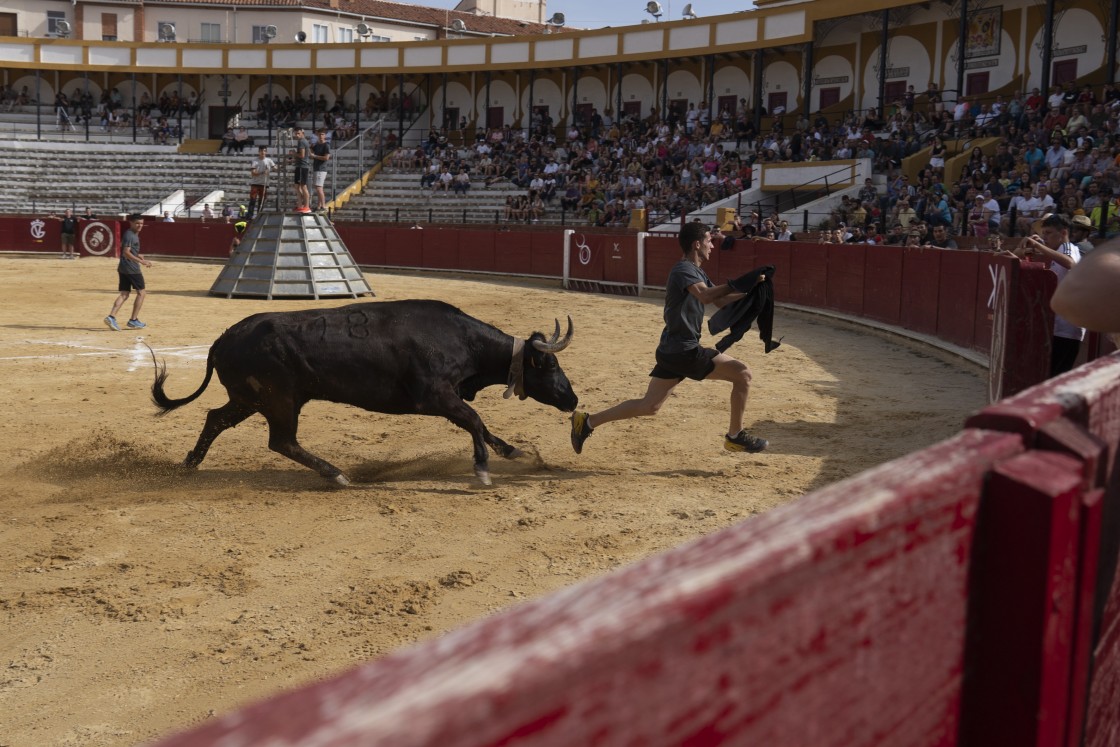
x=302, y=146
x=129, y=241
x=684, y=314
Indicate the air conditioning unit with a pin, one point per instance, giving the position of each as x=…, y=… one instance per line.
x=62, y=28
x=458, y=25
x=364, y=29
x=270, y=32
x=167, y=32
x=301, y=36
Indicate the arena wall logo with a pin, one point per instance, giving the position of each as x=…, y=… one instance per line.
x=584, y=250
x=38, y=229
x=97, y=238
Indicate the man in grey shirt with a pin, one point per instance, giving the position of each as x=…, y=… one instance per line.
x=129, y=276
x=679, y=354
x=301, y=159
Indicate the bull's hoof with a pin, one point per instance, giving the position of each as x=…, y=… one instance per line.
x=341, y=479
x=483, y=476
x=514, y=453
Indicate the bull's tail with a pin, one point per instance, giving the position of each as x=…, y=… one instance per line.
x=165, y=403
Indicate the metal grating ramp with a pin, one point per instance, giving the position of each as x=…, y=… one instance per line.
x=291, y=256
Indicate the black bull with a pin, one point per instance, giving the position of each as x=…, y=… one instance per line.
x=400, y=357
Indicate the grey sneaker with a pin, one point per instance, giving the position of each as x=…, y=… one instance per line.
x=111, y=322
x=136, y=324
x=744, y=441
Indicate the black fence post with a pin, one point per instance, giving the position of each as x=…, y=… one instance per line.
x=464, y=215
x=1102, y=229
x=429, y=215
x=364, y=218
x=805, y=220
x=397, y=215
x=1012, y=220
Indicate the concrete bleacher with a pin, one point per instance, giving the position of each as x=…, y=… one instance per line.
x=395, y=194
x=48, y=177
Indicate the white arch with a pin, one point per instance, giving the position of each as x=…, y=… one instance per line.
x=501, y=94
x=1076, y=28
x=590, y=91
x=782, y=76
x=999, y=74
x=684, y=85
x=902, y=52
x=458, y=97
x=278, y=91
x=837, y=68
x=635, y=88
x=732, y=80
x=545, y=93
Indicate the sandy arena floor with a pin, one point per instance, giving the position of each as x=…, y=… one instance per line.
x=136, y=600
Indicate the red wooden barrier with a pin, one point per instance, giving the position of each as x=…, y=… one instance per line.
x=834, y=620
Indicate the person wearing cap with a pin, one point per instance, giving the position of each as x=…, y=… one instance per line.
x=238, y=231
x=1080, y=229
x=1109, y=212
x=1051, y=243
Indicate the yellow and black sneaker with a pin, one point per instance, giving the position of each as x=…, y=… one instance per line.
x=581, y=430
x=742, y=441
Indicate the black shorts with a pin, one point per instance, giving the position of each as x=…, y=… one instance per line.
x=691, y=364
x=68, y=239
x=128, y=281
x=301, y=175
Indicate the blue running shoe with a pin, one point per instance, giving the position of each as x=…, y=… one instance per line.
x=136, y=324
x=112, y=324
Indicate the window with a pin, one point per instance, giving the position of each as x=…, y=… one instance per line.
x=345, y=35
x=211, y=32
x=109, y=27
x=319, y=33
x=53, y=17
x=380, y=38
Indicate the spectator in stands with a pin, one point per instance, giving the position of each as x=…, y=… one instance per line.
x=130, y=277
x=240, y=139
x=168, y=217
x=461, y=184
x=228, y=141
x=207, y=213
x=941, y=238
x=1080, y=230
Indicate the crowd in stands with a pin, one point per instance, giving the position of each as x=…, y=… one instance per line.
x=597, y=171
x=340, y=119
x=79, y=109
x=1060, y=154
x=600, y=169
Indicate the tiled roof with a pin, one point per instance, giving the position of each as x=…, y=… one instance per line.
x=382, y=10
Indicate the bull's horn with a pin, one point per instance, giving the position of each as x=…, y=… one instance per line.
x=555, y=333
x=556, y=345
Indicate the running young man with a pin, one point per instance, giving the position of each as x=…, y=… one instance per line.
x=680, y=355
x=129, y=275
